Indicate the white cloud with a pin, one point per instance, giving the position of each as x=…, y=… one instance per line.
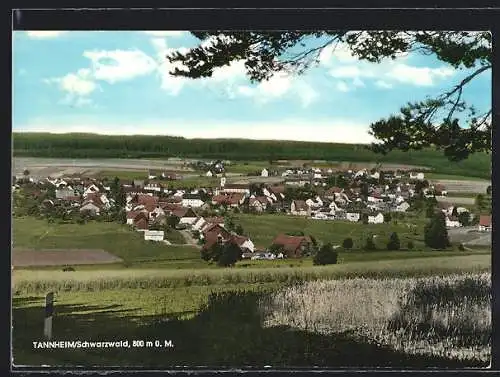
x=391, y=72
x=383, y=84
x=306, y=94
x=77, y=86
x=166, y=33
x=42, y=34
x=75, y=83
x=419, y=76
x=326, y=130
x=277, y=86
x=120, y=65
x=350, y=71
x=335, y=53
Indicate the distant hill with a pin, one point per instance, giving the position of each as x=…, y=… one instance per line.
x=80, y=145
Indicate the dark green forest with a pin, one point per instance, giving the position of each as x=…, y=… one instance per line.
x=145, y=146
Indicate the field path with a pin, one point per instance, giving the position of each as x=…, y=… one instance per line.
x=189, y=239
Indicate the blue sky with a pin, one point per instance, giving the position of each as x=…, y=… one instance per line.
x=118, y=83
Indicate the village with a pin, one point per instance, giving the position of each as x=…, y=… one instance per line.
x=200, y=213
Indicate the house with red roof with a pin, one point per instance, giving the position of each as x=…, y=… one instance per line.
x=485, y=223
x=293, y=246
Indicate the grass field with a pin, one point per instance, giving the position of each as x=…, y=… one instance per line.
x=194, y=182
x=262, y=229
x=117, y=239
x=247, y=167
x=455, y=177
x=123, y=174
x=129, y=245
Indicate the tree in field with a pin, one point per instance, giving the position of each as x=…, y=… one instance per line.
x=229, y=224
x=341, y=181
x=117, y=193
x=364, y=218
x=480, y=202
x=364, y=189
x=387, y=217
x=370, y=243
x=172, y=221
x=420, y=185
x=239, y=230
x=464, y=218
x=229, y=255
x=488, y=190
x=325, y=255
x=347, y=243
x=454, y=212
x=430, y=207
x=410, y=245
x=445, y=121
x=394, y=243
x=435, y=232
x=26, y=173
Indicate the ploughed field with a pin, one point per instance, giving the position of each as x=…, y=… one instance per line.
x=61, y=257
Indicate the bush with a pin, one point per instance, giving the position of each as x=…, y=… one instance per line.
x=461, y=247
x=394, y=243
x=410, y=245
x=370, y=244
x=68, y=268
x=347, y=243
x=326, y=255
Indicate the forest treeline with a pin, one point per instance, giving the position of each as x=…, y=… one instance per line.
x=146, y=146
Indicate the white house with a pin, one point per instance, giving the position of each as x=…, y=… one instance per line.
x=452, y=222
x=402, y=207
x=360, y=173
x=378, y=219
x=248, y=244
x=419, y=176
x=199, y=223
x=352, y=216
x=374, y=199
x=92, y=189
x=191, y=200
x=209, y=173
x=158, y=211
x=264, y=173
x=320, y=216
x=153, y=186
x=61, y=183
x=333, y=206
x=313, y=204
x=154, y=235
x=375, y=175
